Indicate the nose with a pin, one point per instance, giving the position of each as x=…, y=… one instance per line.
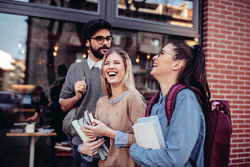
x=111, y=65
x=155, y=57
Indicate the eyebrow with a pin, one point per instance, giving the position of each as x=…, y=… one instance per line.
x=113, y=60
x=162, y=50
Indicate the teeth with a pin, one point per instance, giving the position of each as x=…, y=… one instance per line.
x=154, y=65
x=112, y=74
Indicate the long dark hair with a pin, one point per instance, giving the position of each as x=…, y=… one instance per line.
x=194, y=72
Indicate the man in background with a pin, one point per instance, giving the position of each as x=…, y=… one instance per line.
x=85, y=92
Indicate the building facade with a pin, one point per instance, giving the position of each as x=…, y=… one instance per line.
x=38, y=36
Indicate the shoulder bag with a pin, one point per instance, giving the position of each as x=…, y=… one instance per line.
x=71, y=114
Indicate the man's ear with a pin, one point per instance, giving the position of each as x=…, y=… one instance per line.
x=178, y=64
x=87, y=43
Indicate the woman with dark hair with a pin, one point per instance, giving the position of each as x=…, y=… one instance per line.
x=185, y=135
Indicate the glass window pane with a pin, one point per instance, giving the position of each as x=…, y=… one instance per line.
x=31, y=50
x=87, y=5
x=174, y=12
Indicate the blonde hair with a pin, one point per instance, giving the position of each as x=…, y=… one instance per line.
x=128, y=80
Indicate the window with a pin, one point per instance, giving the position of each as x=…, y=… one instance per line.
x=175, y=12
x=86, y=5
x=176, y=17
x=32, y=48
x=30, y=43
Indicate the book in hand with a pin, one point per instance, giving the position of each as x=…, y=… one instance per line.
x=148, y=133
x=88, y=117
x=77, y=124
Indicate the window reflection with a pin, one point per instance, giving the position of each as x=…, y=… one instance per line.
x=87, y=5
x=175, y=12
x=32, y=49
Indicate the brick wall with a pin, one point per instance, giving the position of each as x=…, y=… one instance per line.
x=226, y=32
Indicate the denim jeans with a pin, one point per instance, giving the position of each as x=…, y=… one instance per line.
x=81, y=162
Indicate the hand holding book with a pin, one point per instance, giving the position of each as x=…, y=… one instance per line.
x=98, y=130
x=89, y=124
x=95, y=127
x=91, y=146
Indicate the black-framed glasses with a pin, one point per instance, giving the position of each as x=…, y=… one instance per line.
x=100, y=39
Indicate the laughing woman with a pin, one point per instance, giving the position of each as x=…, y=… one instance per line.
x=118, y=110
x=185, y=136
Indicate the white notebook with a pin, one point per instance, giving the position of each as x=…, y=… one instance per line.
x=148, y=133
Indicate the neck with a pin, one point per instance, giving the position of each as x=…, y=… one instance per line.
x=116, y=91
x=166, y=84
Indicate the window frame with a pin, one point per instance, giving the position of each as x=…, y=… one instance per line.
x=151, y=26
x=52, y=12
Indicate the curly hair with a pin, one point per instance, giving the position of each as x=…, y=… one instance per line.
x=92, y=27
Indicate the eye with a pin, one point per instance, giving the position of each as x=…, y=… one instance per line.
x=106, y=63
x=117, y=62
x=99, y=38
x=109, y=38
x=160, y=53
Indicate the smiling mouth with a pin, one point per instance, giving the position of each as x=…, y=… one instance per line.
x=112, y=74
x=154, y=65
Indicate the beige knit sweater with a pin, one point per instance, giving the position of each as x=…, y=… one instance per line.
x=120, y=116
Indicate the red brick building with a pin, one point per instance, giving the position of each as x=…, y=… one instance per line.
x=226, y=40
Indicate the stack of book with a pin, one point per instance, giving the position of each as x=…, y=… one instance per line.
x=103, y=150
x=148, y=133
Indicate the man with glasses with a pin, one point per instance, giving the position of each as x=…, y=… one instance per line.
x=85, y=92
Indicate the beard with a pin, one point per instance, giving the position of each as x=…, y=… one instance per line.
x=97, y=52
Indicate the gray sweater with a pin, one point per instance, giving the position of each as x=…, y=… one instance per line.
x=93, y=93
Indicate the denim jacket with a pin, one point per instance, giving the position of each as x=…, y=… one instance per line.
x=184, y=137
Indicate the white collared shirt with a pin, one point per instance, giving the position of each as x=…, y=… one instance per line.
x=92, y=64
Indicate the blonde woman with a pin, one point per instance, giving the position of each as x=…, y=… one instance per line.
x=118, y=110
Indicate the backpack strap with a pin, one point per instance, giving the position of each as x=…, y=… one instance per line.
x=151, y=103
x=169, y=103
x=80, y=67
x=171, y=98
x=82, y=77
x=201, y=99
